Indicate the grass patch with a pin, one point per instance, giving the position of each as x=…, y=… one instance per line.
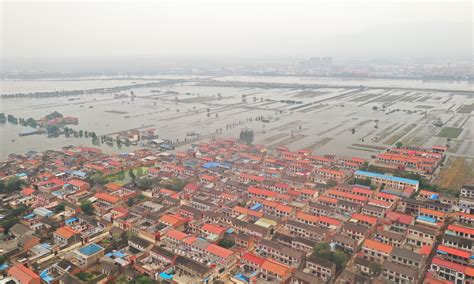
x=450, y=132
x=466, y=108
x=457, y=172
x=393, y=139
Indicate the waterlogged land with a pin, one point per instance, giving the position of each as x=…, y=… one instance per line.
x=351, y=120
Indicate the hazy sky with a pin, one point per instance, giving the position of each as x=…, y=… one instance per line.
x=213, y=29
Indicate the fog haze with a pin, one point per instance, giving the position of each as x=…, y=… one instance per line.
x=234, y=29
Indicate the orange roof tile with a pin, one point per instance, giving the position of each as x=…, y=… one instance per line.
x=65, y=232
x=454, y=251
x=107, y=197
x=217, y=230
x=307, y=217
x=375, y=245
x=461, y=229
x=175, y=234
x=219, y=251
x=276, y=268
x=364, y=218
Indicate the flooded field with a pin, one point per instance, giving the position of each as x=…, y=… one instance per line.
x=341, y=120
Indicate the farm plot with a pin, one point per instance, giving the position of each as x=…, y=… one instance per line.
x=466, y=108
x=450, y=132
x=457, y=172
x=394, y=138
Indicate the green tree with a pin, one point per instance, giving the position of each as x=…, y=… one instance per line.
x=399, y=144
x=122, y=279
x=323, y=250
x=246, y=136
x=59, y=208
x=86, y=207
x=226, y=243
x=143, y=280
x=375, y=267
x=132, y=175
x=144, y=183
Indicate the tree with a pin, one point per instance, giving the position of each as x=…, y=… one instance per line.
x=399, y=144
x=59, y=208
x=247, y=136
x=375, y=268
x=226, y=243
x=143, y=280
x=122, y=279
x=132, y=175
x=144, y=183
x=323, y=250
x=86, y=207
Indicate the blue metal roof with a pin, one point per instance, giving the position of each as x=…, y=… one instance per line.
x=71, y=220
x=90, y=249
x=210, y=165
x=79, y=173
x=426, y=219
x=434, y=196
x=257, y=206
x=389, y=177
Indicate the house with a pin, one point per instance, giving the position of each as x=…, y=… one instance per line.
x=274, y=271
x=387, y=180
x=408, y=258
x=300, y=277
x=280, y=253
x=397, y=273
x=139, y=244
x=88, y=255
x=419, y=235
x=221, y=256
x=344, y=243
x=65, y=236
x=321, y=268
x=23, y=274
x=376, y=251
x=450, y=271
x=193, y=268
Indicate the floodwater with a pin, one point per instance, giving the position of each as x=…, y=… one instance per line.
x=322, y=121
x=349, y=82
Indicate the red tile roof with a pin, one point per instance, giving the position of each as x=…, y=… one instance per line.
x=448, y=264
x=174, y=234
x=375, y=245
x=65, y=232
x=365, y=218
x=253, y=258
x=214, y=229
x=107, y=197
x=454, y=251
x=24, y=274
x=276, y=268
x=219, y=251
x=461, y=229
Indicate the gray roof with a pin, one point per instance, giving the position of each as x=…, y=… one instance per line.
x=196, y=267
x=304, y=241
x=422, y=229
x=406, y=254
x=390, y=234
x=321, y=262
x=344, y=240
x=397, y=268
x=19, y=230
x=139, y=241
x=306, y=277
x=459, y=240
x=373, y=208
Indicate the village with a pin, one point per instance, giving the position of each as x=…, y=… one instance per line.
x=225, y=211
